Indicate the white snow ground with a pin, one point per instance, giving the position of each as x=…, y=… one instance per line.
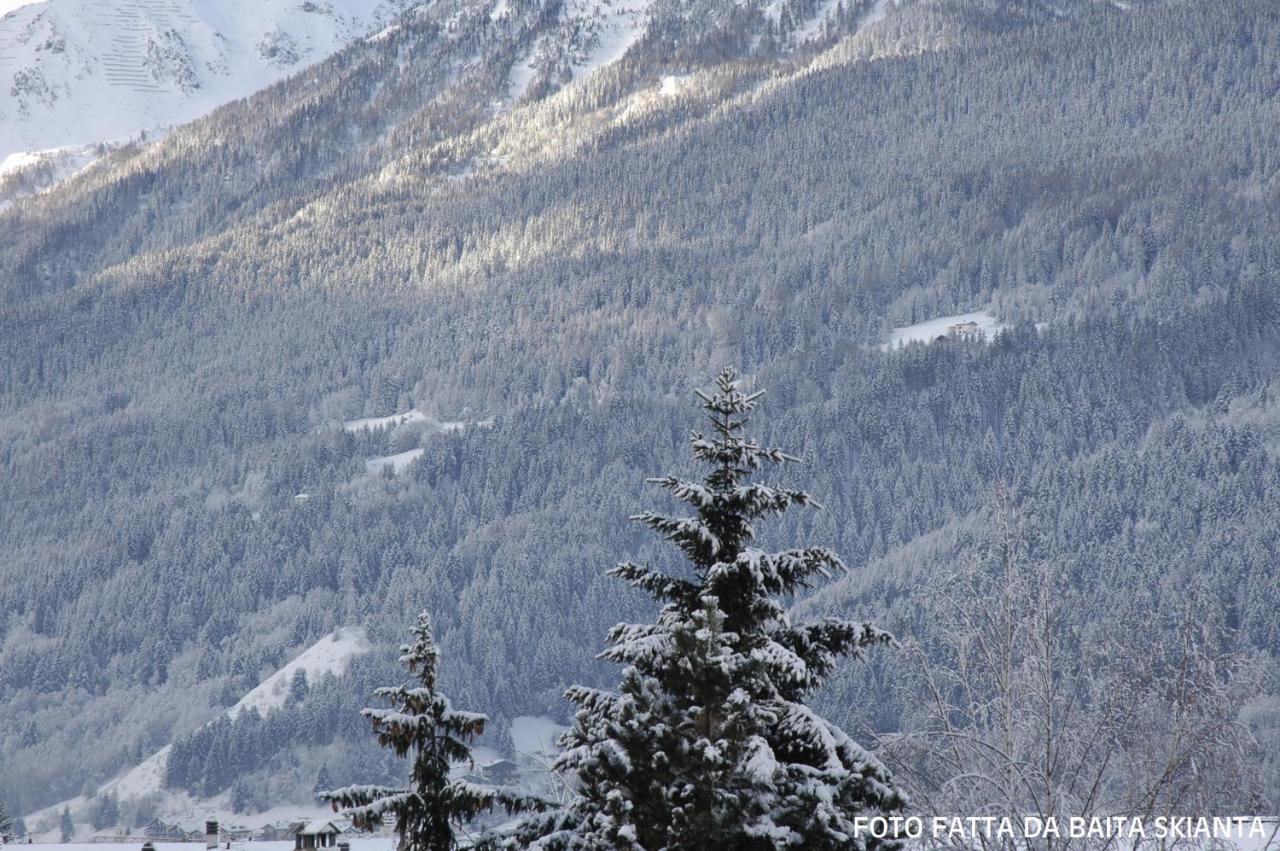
x=812, y=28
x=534, y=736
x=616, y=24
x=414, y=416
x=384, y=422
x=400, y=460
x=7, y=6
x=932, y=329
x=592, y=33
x=397, y=462
x=877, y=12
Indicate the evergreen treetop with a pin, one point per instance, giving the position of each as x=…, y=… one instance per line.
x=421, y=723
x=708, y=742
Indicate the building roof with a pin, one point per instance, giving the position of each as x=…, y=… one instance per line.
x=313, y=828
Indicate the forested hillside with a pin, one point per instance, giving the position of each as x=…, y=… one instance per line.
x=185, y=328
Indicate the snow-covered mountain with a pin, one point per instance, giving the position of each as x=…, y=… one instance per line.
x=78, y=72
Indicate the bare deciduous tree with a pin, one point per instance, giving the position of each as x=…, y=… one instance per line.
x=1025, y=710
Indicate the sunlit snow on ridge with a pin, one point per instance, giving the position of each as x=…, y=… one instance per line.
x=119, y=68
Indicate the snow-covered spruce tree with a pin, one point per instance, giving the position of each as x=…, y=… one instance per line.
x=708, y=742
x=422, y=724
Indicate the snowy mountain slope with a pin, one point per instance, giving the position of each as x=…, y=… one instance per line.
x=76, y=72
x=488, y=212
x=7, y=6
x=329, y=655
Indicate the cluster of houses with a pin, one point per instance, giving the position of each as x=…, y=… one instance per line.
x=306, y=834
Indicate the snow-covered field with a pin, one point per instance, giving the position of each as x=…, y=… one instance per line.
x=932, y=329
x=389, y=421
x=400, y=460
x=397, y=462
x=535, y=736
x=618, y=24
x=413, y=416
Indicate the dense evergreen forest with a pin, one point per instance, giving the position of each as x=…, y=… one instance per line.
x=185, y=327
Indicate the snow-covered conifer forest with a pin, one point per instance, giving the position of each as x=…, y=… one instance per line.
x=406, y=332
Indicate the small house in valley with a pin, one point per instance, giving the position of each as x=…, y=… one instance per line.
x=502, y=772
x=164, y=832
x=316, y=834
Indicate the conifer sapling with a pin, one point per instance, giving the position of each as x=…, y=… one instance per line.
x=421, y=724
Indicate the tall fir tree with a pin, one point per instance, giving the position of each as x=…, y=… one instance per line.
x=299, y=688
x=708, y=742
x=421, y=723
x=66, y=827
x=6, y=823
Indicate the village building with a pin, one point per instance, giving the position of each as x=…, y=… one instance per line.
x=964, y=331
x=502, y=772
x=161, y=831
x=273, y=833
x=316, y=834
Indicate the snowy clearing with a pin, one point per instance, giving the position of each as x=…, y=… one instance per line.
x=674, y=84
x=535, y=736
x=616, y=27
x=384, y=422
x=520, y=76
x=877, y=12
x=414, y=416
x=329, y=655
x=428, y=424
x=812, y=28
x=930, y=330
x=38, y=171
x=397, y=462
